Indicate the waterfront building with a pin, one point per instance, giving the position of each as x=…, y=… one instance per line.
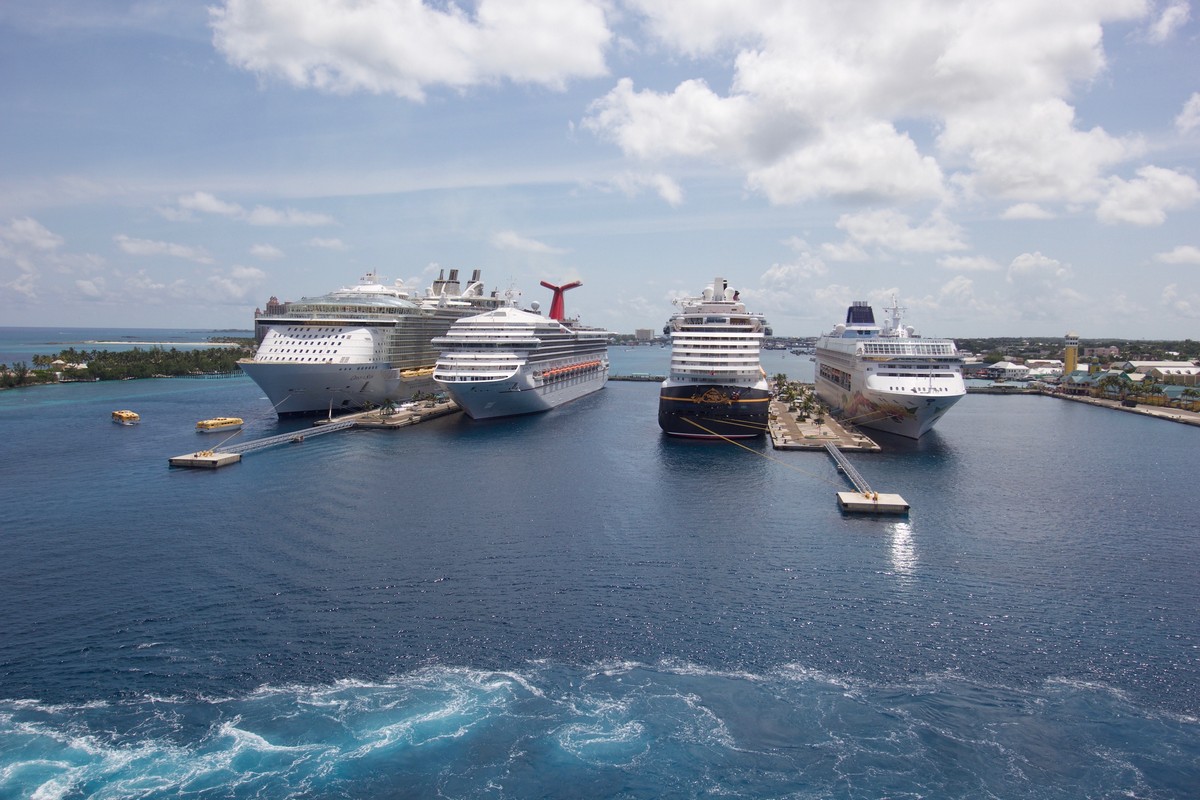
x=1180, y=373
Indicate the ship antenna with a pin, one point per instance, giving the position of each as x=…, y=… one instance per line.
x=557, y=308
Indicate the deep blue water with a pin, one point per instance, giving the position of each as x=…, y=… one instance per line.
x=570, y=605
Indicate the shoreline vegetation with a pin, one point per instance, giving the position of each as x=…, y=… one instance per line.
x=217, y=357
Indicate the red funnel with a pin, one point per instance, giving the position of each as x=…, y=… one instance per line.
x=557, y=310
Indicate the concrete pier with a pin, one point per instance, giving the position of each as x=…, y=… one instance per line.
x=789, y=433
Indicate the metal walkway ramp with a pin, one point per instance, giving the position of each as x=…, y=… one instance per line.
x=848, y=469
x=283, y=438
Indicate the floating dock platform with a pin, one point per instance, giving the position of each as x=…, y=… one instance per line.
x=205, y=459
x=873, y=503
x=866, y=499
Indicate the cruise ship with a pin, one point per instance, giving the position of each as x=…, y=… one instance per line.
x=716, y=387
x=887, y=378
x=509, y=361
x=359, y=346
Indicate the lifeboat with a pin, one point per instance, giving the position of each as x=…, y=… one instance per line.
x=218, y=424
x=126, y=417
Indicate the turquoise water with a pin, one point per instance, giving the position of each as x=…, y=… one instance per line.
x=571, y=605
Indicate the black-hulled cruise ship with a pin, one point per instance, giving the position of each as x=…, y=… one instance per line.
x=716, y=387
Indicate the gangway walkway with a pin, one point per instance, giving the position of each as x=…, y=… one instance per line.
x=848, y=469
x=283, y=438
x=865, y=499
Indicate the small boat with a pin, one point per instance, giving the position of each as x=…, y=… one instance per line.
x=126, y=417
x=218, y=424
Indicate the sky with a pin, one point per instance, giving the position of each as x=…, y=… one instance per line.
x=1021, y=168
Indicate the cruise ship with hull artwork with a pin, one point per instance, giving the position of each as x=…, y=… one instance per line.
x=359, y=346
x=716, y=387
x=509, y=361
x=887, y=378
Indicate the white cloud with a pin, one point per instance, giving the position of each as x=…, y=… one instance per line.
x=843, y=251
x=1037, y=266
x=403, y=48
x=1026, y=211
x=36, y=251
x=1032, y=151
x=691, y=121
x=1146, y=199
x=969, y=264
x=1186, y=305
x=867, y=161
x=29, y=233
x=1183, y=254
x=263, y=215
x=236, y=286
x=1189, y=118
x=92, y=288
x=248, y=273
x=827, y=100
x=327, y=244
x=633, y=183
x=891, y=230
x=205, y=203
x=267, y=252
x=148, y=247
x=796, y=274
x=510, y=240
x=1172, y=18
x=209, y=204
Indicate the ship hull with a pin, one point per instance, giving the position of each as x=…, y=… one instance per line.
x=713, y=411
x=306, y=389
x=523, y=393
x=909, y=414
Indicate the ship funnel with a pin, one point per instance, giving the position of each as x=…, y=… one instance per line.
x=557, y=309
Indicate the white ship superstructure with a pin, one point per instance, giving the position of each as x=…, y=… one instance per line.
x=509, y=361
x=887, y=378
x=716, y=387
x=359, y=346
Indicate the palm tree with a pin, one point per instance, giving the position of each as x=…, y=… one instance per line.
x=1110, y=385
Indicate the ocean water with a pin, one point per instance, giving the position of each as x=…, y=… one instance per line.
x=571, y=605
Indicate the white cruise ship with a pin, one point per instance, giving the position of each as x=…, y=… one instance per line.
x=716, y=387
x=357, y=347
x=507, y=362
x=887, y=378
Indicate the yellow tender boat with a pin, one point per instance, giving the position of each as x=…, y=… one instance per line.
x=126, y=417
x=219, y=424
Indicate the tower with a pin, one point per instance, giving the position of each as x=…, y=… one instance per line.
x=1071, y=354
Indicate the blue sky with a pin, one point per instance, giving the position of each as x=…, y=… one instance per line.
x=1016, y=168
